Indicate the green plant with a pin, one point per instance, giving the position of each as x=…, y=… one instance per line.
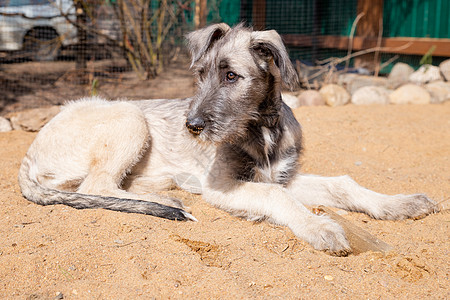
x=94, y=87
x=428, y=57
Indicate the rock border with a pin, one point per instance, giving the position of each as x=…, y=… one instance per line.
x=428, y=84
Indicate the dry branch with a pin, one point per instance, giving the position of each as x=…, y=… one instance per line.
x=352, y=34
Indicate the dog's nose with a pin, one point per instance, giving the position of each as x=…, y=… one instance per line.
x=195, y=125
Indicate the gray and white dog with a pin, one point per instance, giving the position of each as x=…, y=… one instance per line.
x=236, y=139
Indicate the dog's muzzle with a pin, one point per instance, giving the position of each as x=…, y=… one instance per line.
x=195, y=125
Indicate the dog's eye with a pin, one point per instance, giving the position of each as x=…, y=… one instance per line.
x=231, y=77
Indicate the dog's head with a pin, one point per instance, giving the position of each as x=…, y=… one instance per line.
x=239, y=74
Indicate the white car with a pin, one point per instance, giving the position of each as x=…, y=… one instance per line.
x=36, y=27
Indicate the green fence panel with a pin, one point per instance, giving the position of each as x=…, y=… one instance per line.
x=297, y=16
x=416, y=18
x=228, y=11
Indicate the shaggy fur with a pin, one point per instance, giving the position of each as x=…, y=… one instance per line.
x=235, y=142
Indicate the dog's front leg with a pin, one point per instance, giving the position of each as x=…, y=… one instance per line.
x=273, y=201
x=343, y=192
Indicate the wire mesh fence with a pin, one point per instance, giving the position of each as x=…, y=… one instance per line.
x=53, y=50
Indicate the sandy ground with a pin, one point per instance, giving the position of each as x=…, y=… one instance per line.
x=98, y=254
x=60, y=252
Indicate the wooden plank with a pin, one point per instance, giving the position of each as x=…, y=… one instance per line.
x=419, y=46
x=401, y=45
x=259, y=14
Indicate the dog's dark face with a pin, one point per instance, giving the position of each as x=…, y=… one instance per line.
x=237, y=72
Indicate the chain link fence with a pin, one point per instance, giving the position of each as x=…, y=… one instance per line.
x=53, y=50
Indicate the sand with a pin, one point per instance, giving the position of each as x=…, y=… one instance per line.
x=60, y=252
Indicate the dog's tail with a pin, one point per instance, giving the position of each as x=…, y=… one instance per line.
x=35, y=192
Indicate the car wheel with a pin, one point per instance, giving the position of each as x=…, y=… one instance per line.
x=42, y=44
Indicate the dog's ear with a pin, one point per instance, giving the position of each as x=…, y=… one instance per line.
x=267, y=45
x=200, y=41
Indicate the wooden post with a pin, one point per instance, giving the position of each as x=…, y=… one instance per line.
x=80, y=55
x=197, y=14
x=259, y=14
x=370, y=26
x=317, y=4
x=201, y=13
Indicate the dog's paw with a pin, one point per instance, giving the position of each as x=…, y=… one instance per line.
x=408, y=206
x=326, y=235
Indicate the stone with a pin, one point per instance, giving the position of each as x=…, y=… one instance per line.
x=353, y=82
x=439, y=91
x=310, y=98
x=426, y=73
x=371, y=95
x=290, y=100
x=399, y=75
x=410, y=94
x=444, y=67
x=346, y=78
x=33, y=119
x=5, y=125
x=334, y=95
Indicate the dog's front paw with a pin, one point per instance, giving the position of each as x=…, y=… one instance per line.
x=326, y=235
x=409, y=206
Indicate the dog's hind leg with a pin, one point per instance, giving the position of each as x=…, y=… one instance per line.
x=81, y=156
x=119, y=144
x=343, y=192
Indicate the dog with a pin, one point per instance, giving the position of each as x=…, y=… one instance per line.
x=235, y=142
